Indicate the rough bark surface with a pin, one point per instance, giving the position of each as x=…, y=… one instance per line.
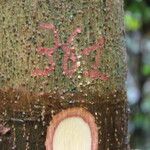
x=28, y=103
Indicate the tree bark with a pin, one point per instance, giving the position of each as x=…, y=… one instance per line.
x=59, y=55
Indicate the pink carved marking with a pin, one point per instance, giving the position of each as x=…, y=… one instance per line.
x=48, y=52
x=73, y=35
x=94, y=73
x=70, y=55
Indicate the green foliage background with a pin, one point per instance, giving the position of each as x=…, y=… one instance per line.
x=137, y=20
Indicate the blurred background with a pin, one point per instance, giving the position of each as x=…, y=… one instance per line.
x=137, y=21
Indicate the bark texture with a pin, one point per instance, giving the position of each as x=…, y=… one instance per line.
x=27, y=102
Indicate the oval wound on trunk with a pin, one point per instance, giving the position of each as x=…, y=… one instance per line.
x=72, y=129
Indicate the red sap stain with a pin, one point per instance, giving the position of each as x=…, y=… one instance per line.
x=69, y=55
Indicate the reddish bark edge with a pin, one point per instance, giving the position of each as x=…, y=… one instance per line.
x=72, y=112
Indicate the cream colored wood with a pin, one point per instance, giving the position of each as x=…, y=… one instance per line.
x=72, y=134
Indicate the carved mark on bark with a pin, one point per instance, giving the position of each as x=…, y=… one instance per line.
x=70, y=55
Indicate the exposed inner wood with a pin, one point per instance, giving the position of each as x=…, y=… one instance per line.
x=72, y=129
x=72, y=134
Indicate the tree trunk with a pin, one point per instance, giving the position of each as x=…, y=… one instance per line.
x=63, y=63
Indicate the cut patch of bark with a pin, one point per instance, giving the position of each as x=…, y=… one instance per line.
x=72, y=129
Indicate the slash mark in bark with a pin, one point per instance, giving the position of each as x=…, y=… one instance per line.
x=3, y=130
